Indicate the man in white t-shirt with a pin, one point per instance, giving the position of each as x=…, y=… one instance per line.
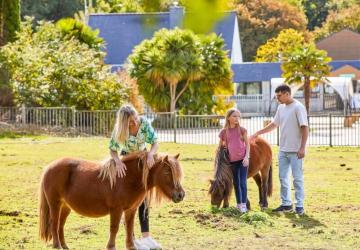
x=291, y=117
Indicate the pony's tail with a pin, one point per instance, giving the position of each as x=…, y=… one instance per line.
x=44, y=217
x=270, y=182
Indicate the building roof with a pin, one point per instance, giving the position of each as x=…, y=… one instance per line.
x=255, y=72
x=342, y=45
x=122, y=32
x=258, y=72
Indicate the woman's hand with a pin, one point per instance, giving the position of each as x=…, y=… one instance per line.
x=120, y=169
x=150, y=160
x=245, y=162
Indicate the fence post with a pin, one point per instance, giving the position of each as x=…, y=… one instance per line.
x=73, y=119
x=174, y=114
x=330, y=131
x=23, y=114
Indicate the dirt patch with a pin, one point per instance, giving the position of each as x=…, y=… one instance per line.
x=213, y=221
x=202, y=218
x=87, y=229
x=342, y=208
x=12, y=213
x=176, y=211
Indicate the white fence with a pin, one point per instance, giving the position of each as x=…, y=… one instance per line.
x=331, y=130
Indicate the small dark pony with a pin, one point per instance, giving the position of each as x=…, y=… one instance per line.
x=260, y=169
x=93, y=189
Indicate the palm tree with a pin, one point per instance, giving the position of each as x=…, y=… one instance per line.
x=170, y=60
x=306, y=64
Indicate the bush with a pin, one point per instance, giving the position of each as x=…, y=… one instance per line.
x=49, y=69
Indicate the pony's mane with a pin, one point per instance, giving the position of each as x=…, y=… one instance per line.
x=155, y=194
x=223, y=176
x=108, y=171
x=108, y=167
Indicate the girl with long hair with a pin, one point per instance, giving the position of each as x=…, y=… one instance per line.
x=234, y=137
x=130, y=134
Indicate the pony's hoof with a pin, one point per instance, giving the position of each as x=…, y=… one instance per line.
x=56, y=246
x=263, y=209
x=64, y=246
x=111, y=248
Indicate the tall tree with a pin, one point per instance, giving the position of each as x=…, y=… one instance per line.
x=51, y=9
x=9, y=25
x=170, y=57
x=173, y=61
x=337, y=5
x=306, y=65
x=260, y=20
x=117, y=6
x=316, y=12
x=336, y=21
x=48, y=69
x=9, y=20
x=200, y=17
x=279, y=47
x=216, y=80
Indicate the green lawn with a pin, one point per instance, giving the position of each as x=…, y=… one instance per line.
x=332, y=183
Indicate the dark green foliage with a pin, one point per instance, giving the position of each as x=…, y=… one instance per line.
x=316, y=12
x=9, y=20
x=348, y=18
x=260, y=20
x=50, y=9
x=177, y=69
x=47, y=69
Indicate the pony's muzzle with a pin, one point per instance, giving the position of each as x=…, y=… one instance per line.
x=178, y=196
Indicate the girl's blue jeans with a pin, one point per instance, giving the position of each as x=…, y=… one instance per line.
x=240, y=177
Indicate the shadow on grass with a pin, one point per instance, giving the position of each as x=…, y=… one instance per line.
x=304, y=221
x=268, y=217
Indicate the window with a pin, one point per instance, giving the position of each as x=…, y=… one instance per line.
x=249, y=88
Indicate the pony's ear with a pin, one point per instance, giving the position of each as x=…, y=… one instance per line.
x=177, y=156
x=211, y=181
x=166, y=158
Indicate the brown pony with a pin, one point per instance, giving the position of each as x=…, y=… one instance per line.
x=92, y=189
x=260, y=168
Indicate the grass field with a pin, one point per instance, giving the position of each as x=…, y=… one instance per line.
x=332, y=204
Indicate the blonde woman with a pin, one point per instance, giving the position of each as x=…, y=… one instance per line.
x=235, y=139
x=130, y=134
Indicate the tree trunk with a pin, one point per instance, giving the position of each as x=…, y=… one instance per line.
x=10, y=20
x=307, y=94
x=172, y=97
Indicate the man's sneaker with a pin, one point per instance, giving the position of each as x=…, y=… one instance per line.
x=150, y=243
x=283, y=208
x=139, y=245
x=299, y=210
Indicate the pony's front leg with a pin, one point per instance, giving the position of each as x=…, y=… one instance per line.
x=115, y=216
x=129, y=223
x=226, y=201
